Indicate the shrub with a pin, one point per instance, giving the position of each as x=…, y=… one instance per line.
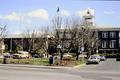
x=36, y=61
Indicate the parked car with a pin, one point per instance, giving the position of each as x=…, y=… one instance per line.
x=7, y=55
x=85, y=56
x=16, y=56
x=36, y=56
x=102, y=58
x=98, y=56
x=67, y=56
x=93, y=59
x=23, y=54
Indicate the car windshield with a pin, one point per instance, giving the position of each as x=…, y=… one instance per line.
x=93, y=57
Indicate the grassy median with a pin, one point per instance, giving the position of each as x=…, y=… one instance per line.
x=42, y=61
x=33, y=61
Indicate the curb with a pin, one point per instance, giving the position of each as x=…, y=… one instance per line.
x=35, y=66
x=78, y=66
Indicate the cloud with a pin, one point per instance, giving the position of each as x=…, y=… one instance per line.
x=109, y=12
x=12, y=17
x=40, y=13
x=17, y=33
x=80, y=13
x=28, y=21
x=65, y=13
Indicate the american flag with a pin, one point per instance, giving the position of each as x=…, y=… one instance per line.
x=58, y=9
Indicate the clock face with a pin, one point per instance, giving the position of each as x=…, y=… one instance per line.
x=88, y=12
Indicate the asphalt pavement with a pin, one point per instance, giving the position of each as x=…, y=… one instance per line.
x=106, y=70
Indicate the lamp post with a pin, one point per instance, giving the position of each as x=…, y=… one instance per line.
x=11, y=45
x=47, y=37
x=82, y=50
x=59, y=48
x=97, y=51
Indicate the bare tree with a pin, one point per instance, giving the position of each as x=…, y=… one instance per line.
x=3, y=34
x=30, y=37
x=82, y=37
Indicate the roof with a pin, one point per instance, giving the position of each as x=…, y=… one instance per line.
x=28, y=36
x=108, y=29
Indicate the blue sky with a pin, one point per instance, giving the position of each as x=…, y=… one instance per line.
x=20, y=15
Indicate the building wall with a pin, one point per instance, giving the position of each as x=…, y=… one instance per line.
x=109, y=41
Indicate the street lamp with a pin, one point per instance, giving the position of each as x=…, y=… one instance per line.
x=97, y=51
x=59, y=48
x=82, y=50
x=47, y=37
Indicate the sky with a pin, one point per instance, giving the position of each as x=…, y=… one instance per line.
x=20, y=15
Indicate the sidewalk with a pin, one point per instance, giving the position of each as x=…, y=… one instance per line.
x=36, y=66
x=40, y=66
x=78, y=66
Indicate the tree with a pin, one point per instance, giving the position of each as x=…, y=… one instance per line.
x=3, y=33
x=30, y=37
x=82, y=37
x=61, y=26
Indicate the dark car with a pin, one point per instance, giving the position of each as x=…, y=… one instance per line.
x=36, y=56
x=118, y=57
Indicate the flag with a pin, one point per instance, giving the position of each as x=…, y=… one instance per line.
x=58, y=9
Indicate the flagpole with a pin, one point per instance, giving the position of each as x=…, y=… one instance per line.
x=58, y=26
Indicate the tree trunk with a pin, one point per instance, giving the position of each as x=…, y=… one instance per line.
x=61, y=57
x=77, y=56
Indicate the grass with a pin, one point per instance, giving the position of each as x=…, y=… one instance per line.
x=43, y=61
x=33, y=61
x=72, y=62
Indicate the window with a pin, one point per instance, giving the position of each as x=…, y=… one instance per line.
x=104, y=44
x=119, y=34
x=112, y=43
x=104, y=34
x=119, y=43
x=112, y=34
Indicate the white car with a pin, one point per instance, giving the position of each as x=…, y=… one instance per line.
x=23, y=54
x=98, y=56
x=93, y=59
x=67, y=56
x=102, y=58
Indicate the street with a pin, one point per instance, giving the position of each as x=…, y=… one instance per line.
x=106, y=70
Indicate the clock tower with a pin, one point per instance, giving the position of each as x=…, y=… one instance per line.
x=88, y=17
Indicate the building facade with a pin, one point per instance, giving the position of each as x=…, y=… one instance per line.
x=109, y=40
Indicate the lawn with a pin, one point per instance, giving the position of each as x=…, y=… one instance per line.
x=33, y=61
x=42, y=61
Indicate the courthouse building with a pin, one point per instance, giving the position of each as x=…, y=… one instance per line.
x=109, y=37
